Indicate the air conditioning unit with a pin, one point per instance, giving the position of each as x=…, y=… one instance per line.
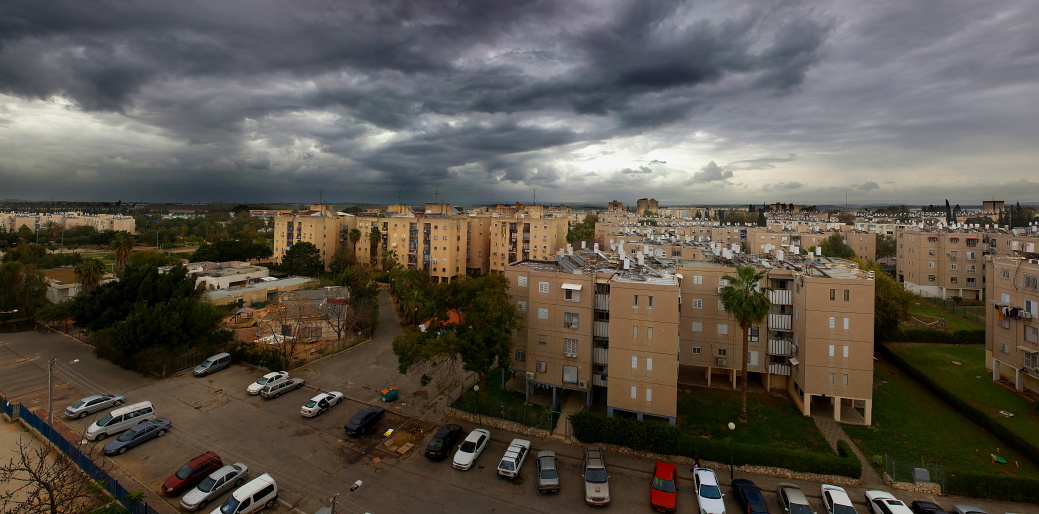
x=720, y=289
x=722, y=361
x=530, y=375
x=583, y=384
x=1024, y=315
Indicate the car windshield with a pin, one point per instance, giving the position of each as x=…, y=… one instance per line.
x=261, y=381
x=77, y=405
x=710, y=492
x=843, y=509
x=105, y=420
x=758, y=508
x=799, y=508
x=549, y=474
x=595, y=476
x=126, y=436
x=229, y=506
x=206, y=485
x=467, y=447
x=507, y=465
x=666, y=486
x=205, y=364
x=436, y=444
x=356, y=420
x=183, y=472
x=310, y=404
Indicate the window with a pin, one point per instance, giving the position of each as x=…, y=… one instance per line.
x=721, y=306
x=752, y=358
x=1031, y=281
x=1004, y=273
x=697, y=326
x=542, y=339
x=650, y=303
x=571, y=320
x=698, y=279
x=845, y=380
x=634, y=392
x=570, y=347
x=723, y=329
x=972, y=256
x=697, y=303
x=1032, y=335
x=1005, y=323
x=542, y=287
x=722, y=282
x=954, y=267
x=833, y=294
x=752, y=334
x=833, y=322
x=831, y=379
x=542, y=367
x=1005, y=348
x=1031, y=360
x=831, y=350
x=649, y=394
x=649, y=363
x=846, y=323
x=971, y=281
x=635, y=304
x=697, y=350
x=542, y=313
x=522, y=306
x=847, y=295
x=846, y=351
x=649, y=332
x=930, y=264
x=634, y=331
x=930, y=278
x=521, y=355
x=569, y=374
x=954, y=279
x=634, y=362
x=722, y=352
x=930, y=252
x=571, y=295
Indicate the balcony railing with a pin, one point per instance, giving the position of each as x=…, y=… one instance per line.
x=779, y=369
x=781, y=297
x=602, y=302
x=599, y=380
x=780, y=321
x=600, y=356
x=601, y=329
x=779, y=347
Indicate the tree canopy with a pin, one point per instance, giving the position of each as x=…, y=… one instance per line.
x=232, y=250
x=24, y=288
x=891, y=304
x=886, y=246
x=748, y=303
x=302, y=259
x=834, y=246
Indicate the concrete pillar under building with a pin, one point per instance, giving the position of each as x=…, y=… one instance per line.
x=836, y=408
x=708, y=376
x=868, y=412
x=554, y=388
x=807, y=407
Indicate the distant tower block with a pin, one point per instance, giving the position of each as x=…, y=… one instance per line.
x=992, y=205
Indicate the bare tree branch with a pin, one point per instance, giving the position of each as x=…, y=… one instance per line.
x=42, y=480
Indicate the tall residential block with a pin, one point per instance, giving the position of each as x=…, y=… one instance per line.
x=1012, y=321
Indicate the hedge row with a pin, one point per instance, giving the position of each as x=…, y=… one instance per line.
x=265, y=357
x=1028, y=449
x=994, y=487
x=927, y=335
x=669, y=440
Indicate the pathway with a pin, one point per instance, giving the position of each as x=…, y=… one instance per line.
x=833, y=433
x=574, y=402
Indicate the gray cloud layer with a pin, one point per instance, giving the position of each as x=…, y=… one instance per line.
x=586, y=101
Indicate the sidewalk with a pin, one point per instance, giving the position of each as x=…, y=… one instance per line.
x=833, y=433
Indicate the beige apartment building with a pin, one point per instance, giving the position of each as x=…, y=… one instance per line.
x=646, y=204
x=942, y=263
x=517, y=239
x=435, y=240
x=649, y=316
x=321, y=225
x=1012, y=320
x=764, y=240
x=12, y=221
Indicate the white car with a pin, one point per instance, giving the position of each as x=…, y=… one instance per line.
x=471, y=448
x=882, y=502
x=708, y=495
x=268, y=379
x=216, y=484
x=320, y=403
x=836, y=500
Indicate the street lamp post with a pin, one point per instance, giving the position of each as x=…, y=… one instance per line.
x=479, y=415
x=732, y=460
x=50, y=389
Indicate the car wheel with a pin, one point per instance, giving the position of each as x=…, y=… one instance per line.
x=299, y=385
x=161, y=433
x=202, y=504
x=82, y=415
x=269, y=504
x=337, y=401
x=100, y=436
x=117, y=403
x=237, y=482
x=122, y=450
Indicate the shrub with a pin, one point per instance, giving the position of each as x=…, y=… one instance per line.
x=844, y=449
x=991, y=486
x=927, y=335
x=258, y=356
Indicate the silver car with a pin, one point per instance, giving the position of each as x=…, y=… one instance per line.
x=216, y=484
x=92, y=404
x=548, y=474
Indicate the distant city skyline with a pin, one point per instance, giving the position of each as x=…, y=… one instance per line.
x=691, y=103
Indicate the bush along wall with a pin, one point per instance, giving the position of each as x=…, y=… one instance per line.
x=669, y=440
x=927, y=335
x=994, y=487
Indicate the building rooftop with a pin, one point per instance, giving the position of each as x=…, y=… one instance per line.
x=272, y=284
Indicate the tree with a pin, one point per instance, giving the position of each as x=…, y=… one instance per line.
x=303, y=259
x=762, y=220
x=40, y=479
x=25, y=232
x=886, y=246
x=152, y=258
x=748, y=303
x=341, y=317
x=291, y=322
x=375, y=239
x=478, y=334
x=90, y=273
x=891, y=303
x=948, y=211
x=122, y=245
x=355, y=237
x=848, y=218
x=834, y=246
x=24, y=288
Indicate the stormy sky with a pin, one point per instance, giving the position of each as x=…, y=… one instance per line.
x=692, y=103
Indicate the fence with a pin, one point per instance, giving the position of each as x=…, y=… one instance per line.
x=496, y=402
x=327, y=348
x=970, y=313
x=902, y=471
x=100, y=476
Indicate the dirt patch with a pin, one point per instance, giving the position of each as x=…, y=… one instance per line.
x=420, y=394
x=412, y=433
x=210, y=403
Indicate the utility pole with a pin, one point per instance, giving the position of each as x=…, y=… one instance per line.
x=50, y=391
x=535, y=190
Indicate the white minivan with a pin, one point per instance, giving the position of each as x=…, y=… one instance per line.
x=120, y=419
x=214, y=363
x=258, y=494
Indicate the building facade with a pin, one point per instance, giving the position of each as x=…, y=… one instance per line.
x=1012, y=321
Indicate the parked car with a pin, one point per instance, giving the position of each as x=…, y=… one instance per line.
x=214, y=485
x=792, y=499
x=119, y=420
x=836, y=500
x=882, y=502
x=512, y=462
x=190, y=474
x=443, y=442
x=143, y=432
x=596, y=479
x=320, y=403
x=708, y=495
x=257, y=494
x=663, y=495
x=967, y=509
x=922, y=507
x=548, y=475
x=471, y=448
x=269, y=378
x=276, y=389
x=364, y=420
x=92, y=404
x=212, y=364
x=749, y=497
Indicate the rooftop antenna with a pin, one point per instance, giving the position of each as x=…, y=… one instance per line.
x=535, y=190
x=398, y=197
x=436, y=193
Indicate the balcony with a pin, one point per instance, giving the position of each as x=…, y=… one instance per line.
x=600, y=356
x=779, y=347
x=780, y=321
x=781, y=297
x=599, y=380
x=602, y=302
x=779, y=369
x=601, y=329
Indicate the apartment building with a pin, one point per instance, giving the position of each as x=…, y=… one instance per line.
x=12, y=221
x=321, y=225
x=614, y=205
x=649, y=316
x=647, y=204
x=943, y=262
x=435, y=240
x=765, y=240
x=1012, y=320
x=516, y=239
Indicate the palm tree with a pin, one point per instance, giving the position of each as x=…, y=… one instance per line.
x=355, y=236
x=90, y=272
x=122, y=245
x=747, y=302
x=375, y=238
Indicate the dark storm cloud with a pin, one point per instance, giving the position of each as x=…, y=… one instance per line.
x=711, y=173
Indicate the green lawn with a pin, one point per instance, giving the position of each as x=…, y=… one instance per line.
x=505, y=404
x=912, y=425
x=774, y=421
x=952, y=322
x=936, y=360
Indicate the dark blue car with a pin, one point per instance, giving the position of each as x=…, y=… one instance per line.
x=749, y=497
x=143, y=431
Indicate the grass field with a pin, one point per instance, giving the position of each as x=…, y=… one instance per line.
x=952, y=322
x=936, y=361
x=773, y=421
x=912, y=425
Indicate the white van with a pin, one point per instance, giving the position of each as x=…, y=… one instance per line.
x=120, y=419
x=260, y=493
x=214, y=363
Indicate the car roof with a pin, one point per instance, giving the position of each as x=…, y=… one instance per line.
x=546, y=453
x=227, y=468
x=447, y=429
x=204, y=457
x=95, y=396
x=706, y=476
x=794, y=493
x=750, y=489
x=273, y=374
x=476, y=433
x=666, y=467
x=838, y=494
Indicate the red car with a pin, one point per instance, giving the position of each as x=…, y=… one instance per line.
x=664, y=494
x=190, y=474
